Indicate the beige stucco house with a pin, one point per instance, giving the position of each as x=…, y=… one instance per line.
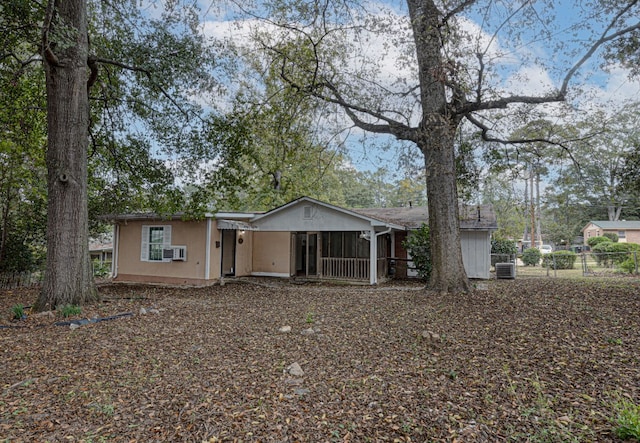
x=627, y=231
x=305, y=238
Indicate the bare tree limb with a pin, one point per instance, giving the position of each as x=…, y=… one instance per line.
x=484, y=133
x=47, y=52
x=457, y=10
x=601, y=41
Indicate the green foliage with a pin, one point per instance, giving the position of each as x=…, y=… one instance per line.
x=69, y=310
x=594, y=241
x=629, y=265
x=18, y=256
x=18, y=312
x=610, y=254
x=503, y=248
x=101, y=269
x=611, y=236
x=531, y=256
x=559, y=260
x=418, y=245
x=627, y=419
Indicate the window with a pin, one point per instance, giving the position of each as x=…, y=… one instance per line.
x=154, y=240
x=622, y=234
x=307, y=214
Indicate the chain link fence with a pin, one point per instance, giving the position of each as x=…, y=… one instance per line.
x=562, y=264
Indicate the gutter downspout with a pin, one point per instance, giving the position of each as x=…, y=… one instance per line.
x=116, y=247
x=373, y=255
x=207, y=252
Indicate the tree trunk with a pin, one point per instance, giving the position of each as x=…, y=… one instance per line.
x=447, y=273
x=435, y=139
x=614, y=212
x=68, y=277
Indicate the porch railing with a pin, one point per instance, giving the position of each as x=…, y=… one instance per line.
x=348, y=268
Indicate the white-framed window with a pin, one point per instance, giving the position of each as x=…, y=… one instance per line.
x=154, y=240
x=622, y=234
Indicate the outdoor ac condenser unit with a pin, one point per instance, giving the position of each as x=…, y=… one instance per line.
x=506, y=270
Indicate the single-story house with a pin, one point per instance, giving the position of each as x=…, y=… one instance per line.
x=101, y=252
x=305, y=238
x=627, y=231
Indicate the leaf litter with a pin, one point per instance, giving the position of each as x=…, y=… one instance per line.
x=525, y=360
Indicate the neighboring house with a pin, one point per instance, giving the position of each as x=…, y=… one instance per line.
x=101, y=252
x=627, y=231
x=305, y=238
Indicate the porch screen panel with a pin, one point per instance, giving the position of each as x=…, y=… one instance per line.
x=383, y=243
x=350, y=244
x=363, y=248
x=325, y=244
x=335, y=246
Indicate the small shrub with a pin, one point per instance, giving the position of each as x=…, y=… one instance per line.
x=418, y=245
x=593, y=241
x=69, y=310
x=501, y=249
x=101, y=270
x=627, y=419
x=610, y=254
x=561, y=259
x=531, y=256
x=18, y=312
x=628, y=266
x=611, y=236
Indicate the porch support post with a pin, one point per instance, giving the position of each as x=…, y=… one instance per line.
x=373, y=257
x=207, y=251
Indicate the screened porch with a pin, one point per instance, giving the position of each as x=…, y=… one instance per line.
x=346, y=255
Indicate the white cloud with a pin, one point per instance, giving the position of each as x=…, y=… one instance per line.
x=530, y=80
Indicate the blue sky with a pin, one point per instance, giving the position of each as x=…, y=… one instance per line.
x=529, y=65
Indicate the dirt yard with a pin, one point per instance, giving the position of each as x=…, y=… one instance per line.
x=536, y=360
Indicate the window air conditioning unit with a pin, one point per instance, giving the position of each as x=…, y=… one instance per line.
x=506, y=270
x=175, y=253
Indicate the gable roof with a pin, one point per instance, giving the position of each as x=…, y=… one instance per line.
x=472, y=217
x=373, y=221
x=614, y=225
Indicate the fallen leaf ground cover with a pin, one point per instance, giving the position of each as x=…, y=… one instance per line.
x=525, y=360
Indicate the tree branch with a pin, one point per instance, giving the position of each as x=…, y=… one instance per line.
x=484, y=133
x=47, y=52
x=601, y=41
x=93, y=67
x=144, y=71
x=461, y=7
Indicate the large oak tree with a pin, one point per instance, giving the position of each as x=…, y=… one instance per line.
x=122, y=87
x=420, y=73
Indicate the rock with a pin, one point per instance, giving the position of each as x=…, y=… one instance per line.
x=295, y=370
x=285, y=329
x=294, y=381
x=309, y=331
x=49, y=314
x=482, y=286
x=154, y=311
x=301, y=391
x=143, y=311
x=74, y=326
x=431, y=336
